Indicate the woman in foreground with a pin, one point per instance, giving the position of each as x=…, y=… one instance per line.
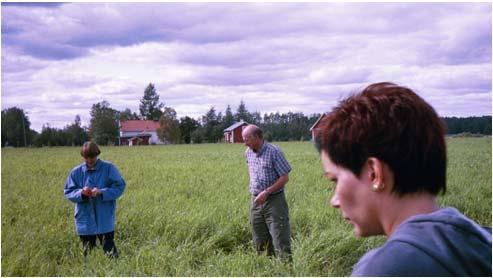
x=384, y=149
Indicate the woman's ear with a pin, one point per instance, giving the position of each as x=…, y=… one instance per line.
x=376, y=173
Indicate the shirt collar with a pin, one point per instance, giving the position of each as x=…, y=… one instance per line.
x=262, y=149
x=97, y=166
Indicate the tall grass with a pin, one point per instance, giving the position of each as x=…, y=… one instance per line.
x=185, y=212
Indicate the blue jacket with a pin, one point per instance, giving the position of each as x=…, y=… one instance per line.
x=94, y=215
x=442, y=243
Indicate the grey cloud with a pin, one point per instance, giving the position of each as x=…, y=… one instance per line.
x=13, y=65
x=84, y=25
x=183, y=94
x=470, y=82
x=452, y=79
x=32, y=4
x=470, y=47
x=265, y=51
x=235, y=77
x=450, y=104
x=54, y=117
x=339, y=74
x=10, y=29
x=459, y=38
x=126, y=24
x=54, y=51
x=274, y=56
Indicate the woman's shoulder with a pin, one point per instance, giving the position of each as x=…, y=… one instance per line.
x=446, y=224
x=398, y=258
x=443, y=243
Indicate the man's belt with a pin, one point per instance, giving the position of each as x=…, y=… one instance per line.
x=275, y=193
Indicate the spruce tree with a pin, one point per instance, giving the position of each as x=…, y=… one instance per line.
x=150, y=108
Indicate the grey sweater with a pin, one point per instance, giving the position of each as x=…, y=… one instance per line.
x=442, y=243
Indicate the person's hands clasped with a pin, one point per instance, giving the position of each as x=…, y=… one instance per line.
x=88, y=192
x=96, y=192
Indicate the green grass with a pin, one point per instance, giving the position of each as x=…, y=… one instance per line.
x=185, y=212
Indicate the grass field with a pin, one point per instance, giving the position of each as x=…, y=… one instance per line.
x=185, y=212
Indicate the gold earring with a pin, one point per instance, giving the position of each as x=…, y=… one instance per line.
x=378, y=187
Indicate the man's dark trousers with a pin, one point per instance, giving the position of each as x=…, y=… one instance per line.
x=270, y=226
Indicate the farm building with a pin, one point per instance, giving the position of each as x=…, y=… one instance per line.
x=316, y=127
x=137, y=132
x=232, y=134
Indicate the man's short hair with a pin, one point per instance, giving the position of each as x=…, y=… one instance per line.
x=89, y=149
x=256, y=131
x=395, y=125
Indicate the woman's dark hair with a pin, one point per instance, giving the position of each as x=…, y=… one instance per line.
x=89, y=149
x=395, y=125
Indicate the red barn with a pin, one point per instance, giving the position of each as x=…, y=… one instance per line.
x=137, y=132
x=315, y=129
x=232, y=134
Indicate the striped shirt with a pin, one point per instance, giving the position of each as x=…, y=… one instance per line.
x=265, y=167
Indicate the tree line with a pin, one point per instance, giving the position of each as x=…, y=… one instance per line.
x=474, y=125
x=104, y=125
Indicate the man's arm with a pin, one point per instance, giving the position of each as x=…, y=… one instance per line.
x=276, y=186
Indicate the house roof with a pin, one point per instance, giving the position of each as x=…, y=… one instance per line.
x=138, y=125
x=318, y=120
x=235, y=125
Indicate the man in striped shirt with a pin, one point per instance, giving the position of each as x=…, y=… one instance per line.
x=269, y=215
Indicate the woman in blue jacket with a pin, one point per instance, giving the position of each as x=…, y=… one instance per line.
x=94, y=187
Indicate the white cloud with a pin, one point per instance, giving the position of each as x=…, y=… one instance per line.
x=57, y=61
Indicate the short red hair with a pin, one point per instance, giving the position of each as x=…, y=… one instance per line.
x=395, y=125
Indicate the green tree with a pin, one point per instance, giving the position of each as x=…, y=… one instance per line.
x=127, y=115
x=45, y=137
x=169, y=127
x=104, y=123
x=76, y=133
x=287, y=127
x=256, y=118
x=187, y=127
x=228, y=118
x=72, y=135
x=51, y=136
x=212, y=130
x=16, y=129
x=481, y=125
x=242, y=113
x=197, y=136
x=150, y=107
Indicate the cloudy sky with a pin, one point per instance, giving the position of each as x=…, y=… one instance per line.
x=59, y=59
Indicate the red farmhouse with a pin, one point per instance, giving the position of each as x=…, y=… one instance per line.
x=232, y=134
x=137, y=132
x=315, y=129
